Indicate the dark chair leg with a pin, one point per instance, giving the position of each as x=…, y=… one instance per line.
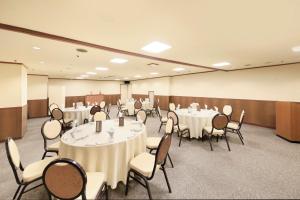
x=17, y=191
x=49, y=196
x=217, y=138
x=148, y=189
x=209, y=139
x=227, y=142
x=106, y=191
x=44, y=155
x=127, y=183
x=22, y=191
x=167, y=180
x=169, y=157
x=160, y=126
x=180, y=139
x=240, y=136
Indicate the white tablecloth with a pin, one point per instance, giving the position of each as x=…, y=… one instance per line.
x=130, y=106
x=196, y=120
x=101, y=152
x=77, y=115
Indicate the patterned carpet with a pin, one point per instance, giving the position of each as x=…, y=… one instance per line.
x=266, y=167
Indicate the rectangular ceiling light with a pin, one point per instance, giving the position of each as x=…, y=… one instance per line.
x=156, y=47
x=221, y=64
x=178, y=69
x=118, y=60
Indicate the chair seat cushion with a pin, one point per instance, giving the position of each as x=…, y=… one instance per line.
x=68, y=120
x=152, y=142
x=181, y=127
x=54, y=146
x=94, y=183
x=35, y=170
x=233, y=125
x=216, y=132
x=143, y=163
x=164, y=119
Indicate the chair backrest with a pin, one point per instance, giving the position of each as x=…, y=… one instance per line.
x=100, y=116
x=163, y=149
x=138, y=104
x=141, y=115
x=51, y=129
x=13, y=157
x=173, y=115
x=205, y=106
x=242, y=117
x=57, y=114
x=216, y=108
x=220, y=121
x=95, y=109
x=65, y=179
x=102, y=104
x=108, y=108
x=159, y=112
x=169, y=126
x=172, y=107
x=52, y=106
x=227, y=110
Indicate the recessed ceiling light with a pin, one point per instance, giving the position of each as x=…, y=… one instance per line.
x=42, y=62
x=137, y=76
x=102, y=68
x=36, y=48
x=296, y=49
x=156, y=47
x=221, y=64
x=178, y=69
x=91, y=73
x=154, y=73
x=118, y=60
x=84, y=75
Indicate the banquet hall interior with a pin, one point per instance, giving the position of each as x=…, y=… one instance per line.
x=141, y=99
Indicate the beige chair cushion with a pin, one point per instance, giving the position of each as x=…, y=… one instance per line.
x=143, y=163
x=94, y=183
x=54, y=146
x=152, y=142
x=181, y=127
x=67, y=120
x=233, y=125
x=164, y=119
x=216, y=132
x=35, y=170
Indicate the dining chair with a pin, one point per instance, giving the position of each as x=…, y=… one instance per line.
x=181, y=129
x=66, y=179
x=143, y=167
x=51, y=130
x=172, y=107
x=227, y=110
x=108, y=108
x=236, y=127
x=100, y=116
x=24, y=176
x=58, y=114
x=141, y=115
x=218, y=128
x=102, y=105
x=95, y=109
x=121, y=109
x=163, y=120
x=51, y=107
x=137, y=106
x=216, y=108
x=152, y=143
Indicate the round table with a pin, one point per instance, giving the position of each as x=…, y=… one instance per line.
x=101, y=152
x=77, y=115
x=195, y=120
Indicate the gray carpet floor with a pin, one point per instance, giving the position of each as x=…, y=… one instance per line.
x=265, y=167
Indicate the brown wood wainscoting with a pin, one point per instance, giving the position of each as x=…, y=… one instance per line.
x=258, y=112
x=37, y=108
x=13, y=122
x=163, y=100
x=108, y=98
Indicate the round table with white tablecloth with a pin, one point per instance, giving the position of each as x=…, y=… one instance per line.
x=195, y=120
x=108, y=151
x=77, y=114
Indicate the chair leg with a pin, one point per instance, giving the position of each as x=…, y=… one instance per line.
x=160, y=127
x=17, y=191
x=180, y=139
x=167, y=180
x=106, y=191
x=217, y=138
x=227, y=142
x=169, y=157
x=148, y=189
x=44, y=155
x=127, y=183
x=240, y=136
x=49, y=196
x=22, y=191
x=209, y=139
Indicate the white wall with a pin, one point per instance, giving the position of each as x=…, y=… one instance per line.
x=84, y=87
x=37, y=87
x=274, y=83
x=13, y=85
x=160, y=86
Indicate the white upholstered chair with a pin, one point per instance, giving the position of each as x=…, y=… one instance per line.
x=137, y=106
x=163, y=120
x=141, y=116
x=235, y=127
x=58, y=114
x=66, y=179
x=172, y=107
x=24, y=175
x=181, y=129
x=102, y=105
x=100, y=116
x=227, y=110
x=51, y=130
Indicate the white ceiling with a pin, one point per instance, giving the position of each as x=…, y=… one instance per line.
x=246, y=33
